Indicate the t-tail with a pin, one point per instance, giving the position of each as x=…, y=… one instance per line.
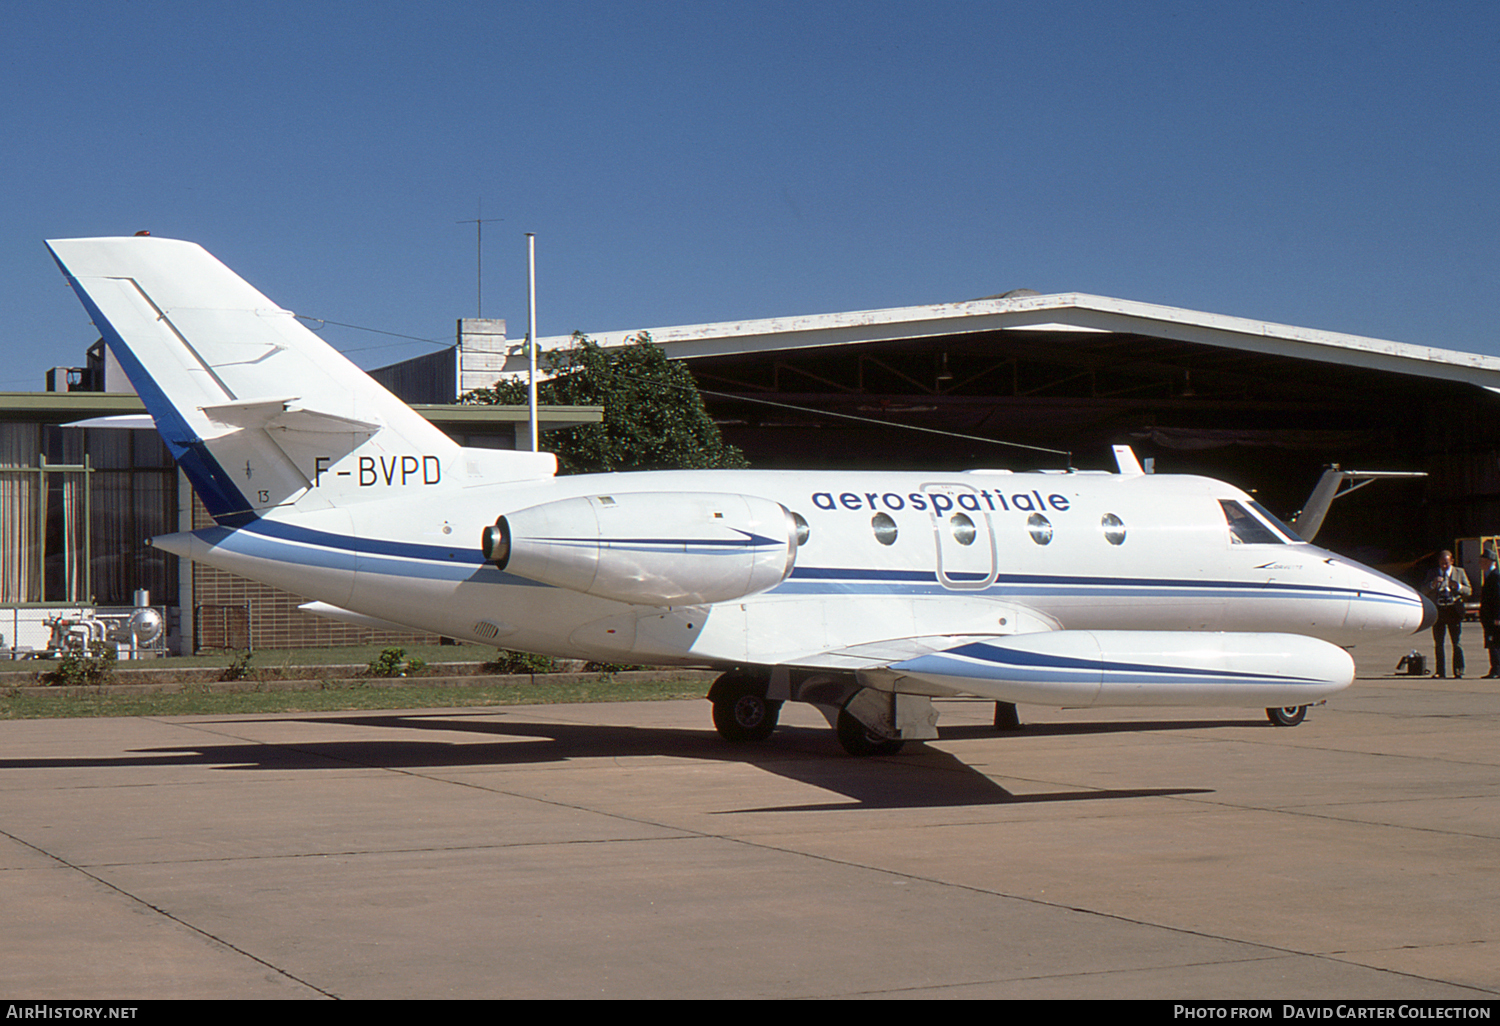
x=260, y=413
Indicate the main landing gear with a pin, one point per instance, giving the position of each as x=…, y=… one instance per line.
x=747, y=705
x=858, y=739
x=742, y=712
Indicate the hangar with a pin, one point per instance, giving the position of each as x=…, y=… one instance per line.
x=1264, y=406
x=1057, y=378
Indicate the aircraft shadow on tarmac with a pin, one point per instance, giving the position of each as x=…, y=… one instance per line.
x=919, y=777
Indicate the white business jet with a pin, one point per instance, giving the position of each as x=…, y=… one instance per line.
x=866, y=594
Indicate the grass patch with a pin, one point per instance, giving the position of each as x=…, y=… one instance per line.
x=199, y=700
x=274, y=659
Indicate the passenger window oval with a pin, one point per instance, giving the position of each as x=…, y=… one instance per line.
x=963, y=529
x=1040, y=528
x=884, y=527
x=1113, y=528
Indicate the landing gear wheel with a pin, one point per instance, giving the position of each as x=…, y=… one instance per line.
x=741, y=714
x=857, y=739
x=1287, y=715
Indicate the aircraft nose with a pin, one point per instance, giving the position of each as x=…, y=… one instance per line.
x=1387, y=605
x=1429, y=615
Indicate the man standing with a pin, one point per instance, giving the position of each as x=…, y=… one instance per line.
x=1489, y=609
x=1449, y=586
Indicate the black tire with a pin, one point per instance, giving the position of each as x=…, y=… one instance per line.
x=857, y=739
x=745, y=716
x=1287, y=715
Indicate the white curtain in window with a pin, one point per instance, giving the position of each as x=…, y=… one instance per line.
x=74, y=560
x=20, y=553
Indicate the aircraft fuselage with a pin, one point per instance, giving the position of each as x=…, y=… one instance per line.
x=1082, y=550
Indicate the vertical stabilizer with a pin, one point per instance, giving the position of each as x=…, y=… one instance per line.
x=258, y=411
x=1126, y=462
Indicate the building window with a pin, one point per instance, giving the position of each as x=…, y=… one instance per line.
x=133, y=497
x=77, y=507
x=44, y=506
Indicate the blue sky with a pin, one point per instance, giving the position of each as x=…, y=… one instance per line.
x=1329, y=165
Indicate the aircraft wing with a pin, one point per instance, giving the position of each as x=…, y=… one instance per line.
x=879, y=655
x=1079, y=668
x=950, y=647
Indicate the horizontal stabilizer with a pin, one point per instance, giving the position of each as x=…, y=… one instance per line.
x=331, y=612
x=287, y=415
x=124, y=422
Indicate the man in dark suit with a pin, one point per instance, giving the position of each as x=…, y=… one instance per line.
x=1489, y=609
x=1449, y=586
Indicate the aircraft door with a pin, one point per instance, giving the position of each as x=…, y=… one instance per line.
x=963, y=535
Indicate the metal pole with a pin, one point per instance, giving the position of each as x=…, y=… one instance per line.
x=531, y=335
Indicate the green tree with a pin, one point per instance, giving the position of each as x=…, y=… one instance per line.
x=653, y=415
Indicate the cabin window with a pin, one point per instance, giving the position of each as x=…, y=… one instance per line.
x=963, y=529
x=1113, y=528
x=884, y=527
x=1244, y=529
x=803, y=531
x=1040, y=528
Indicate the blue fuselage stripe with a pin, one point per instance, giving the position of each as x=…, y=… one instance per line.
x=829, y=580
x=962, y=662
x=277, y=540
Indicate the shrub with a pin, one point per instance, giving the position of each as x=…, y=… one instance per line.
x=77, y=668
x=506, y=661
x=389, y=663
x=238, y=668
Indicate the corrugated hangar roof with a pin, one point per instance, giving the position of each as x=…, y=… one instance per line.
x=1063, y=312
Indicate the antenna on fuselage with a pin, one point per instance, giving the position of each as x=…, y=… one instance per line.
x=1125, y=460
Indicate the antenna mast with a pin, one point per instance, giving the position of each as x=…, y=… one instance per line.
x=479, y=221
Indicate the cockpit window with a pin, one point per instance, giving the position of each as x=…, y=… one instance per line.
x=1244, y=529
x=1266, y=515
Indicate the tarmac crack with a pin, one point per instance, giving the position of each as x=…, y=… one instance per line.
x=1037, y=977
x=1275, y=950
x=357, y=852
x=163, y=913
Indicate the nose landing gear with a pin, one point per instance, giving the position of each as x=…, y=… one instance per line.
x=1287, y=715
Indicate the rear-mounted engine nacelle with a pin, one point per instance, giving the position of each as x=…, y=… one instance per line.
x=649, y=548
